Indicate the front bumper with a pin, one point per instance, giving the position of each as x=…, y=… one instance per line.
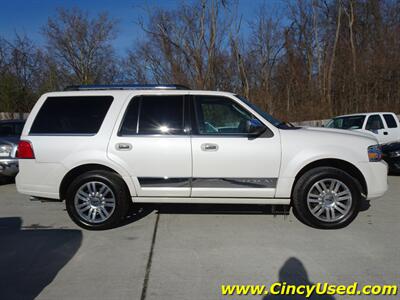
x=8, y=167
x=394, y=164
x=376, y=177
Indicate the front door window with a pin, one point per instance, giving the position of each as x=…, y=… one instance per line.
x=220, y=116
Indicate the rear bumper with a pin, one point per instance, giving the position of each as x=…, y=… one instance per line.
x=39, y=179
x=376, y=177
x=8, y=167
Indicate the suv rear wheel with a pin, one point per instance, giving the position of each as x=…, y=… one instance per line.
x=327, y=198
x=97, y=200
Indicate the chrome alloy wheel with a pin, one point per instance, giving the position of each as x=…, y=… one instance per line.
x=94, y=202
x=329, y=200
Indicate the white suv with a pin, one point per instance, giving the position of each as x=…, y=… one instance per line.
x=102, y=148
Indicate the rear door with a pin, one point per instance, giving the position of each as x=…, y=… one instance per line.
x=226, y=162
x=152, y=143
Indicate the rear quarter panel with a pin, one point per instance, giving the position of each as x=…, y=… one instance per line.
x=55, y=155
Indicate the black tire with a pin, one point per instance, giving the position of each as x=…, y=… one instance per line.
x=305, y=184
x=6, y=179
x=118, y=187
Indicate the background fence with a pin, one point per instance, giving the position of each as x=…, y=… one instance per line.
x=9, y=116
x=312, y=123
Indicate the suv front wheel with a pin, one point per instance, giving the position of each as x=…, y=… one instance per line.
x=97, y=200
x=326, y=198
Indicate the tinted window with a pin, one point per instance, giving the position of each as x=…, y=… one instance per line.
x=11, y=128
x=390, y=121
x=154, y=115
x=18, y=128
x=351, y=122
x=374, y=123
x=129, y=125
x=218, y=115
x=161, y=115
x=71, y=115
x=7, y=129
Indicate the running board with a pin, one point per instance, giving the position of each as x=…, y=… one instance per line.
x=40, y=199
x=271, y=201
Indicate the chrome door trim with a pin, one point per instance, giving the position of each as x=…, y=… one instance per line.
x=234, y=182
x=147, y=182
x=184, y=182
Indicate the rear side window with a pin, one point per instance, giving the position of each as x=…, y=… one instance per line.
x=390, y=121
x=71, y=115
x=374, y=123
x=154, y=115
x=130, y=124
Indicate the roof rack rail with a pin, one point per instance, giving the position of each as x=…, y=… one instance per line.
x=91, y=87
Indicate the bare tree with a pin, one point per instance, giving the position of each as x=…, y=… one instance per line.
x=264, y=53
x=21, y=63
x=186, y=45
x=82, y=45
x=313, y=59
x=332, y=59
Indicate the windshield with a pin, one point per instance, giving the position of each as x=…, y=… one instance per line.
x=350, y=122
x=265, y=115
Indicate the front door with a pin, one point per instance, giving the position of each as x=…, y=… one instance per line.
x=153, y=145
x=226, y=162
x=375, y=125
x=391, y=127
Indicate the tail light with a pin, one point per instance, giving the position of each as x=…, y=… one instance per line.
x=25, y=150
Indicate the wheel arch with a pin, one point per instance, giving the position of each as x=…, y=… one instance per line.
x=343, y=165
x=78, y=170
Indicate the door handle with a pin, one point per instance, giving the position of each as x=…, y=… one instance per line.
x=209, y=147
x=385, y=133
x=123, y=146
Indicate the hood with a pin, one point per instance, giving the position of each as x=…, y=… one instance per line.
x=343, y=132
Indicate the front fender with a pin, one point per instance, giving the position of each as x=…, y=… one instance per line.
x=294, y=161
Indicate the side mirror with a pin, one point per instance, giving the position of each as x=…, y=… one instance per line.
x=255, y=128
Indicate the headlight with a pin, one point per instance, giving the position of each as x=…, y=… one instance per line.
x=374, y=153
x=394, y=153
x=5, y=150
